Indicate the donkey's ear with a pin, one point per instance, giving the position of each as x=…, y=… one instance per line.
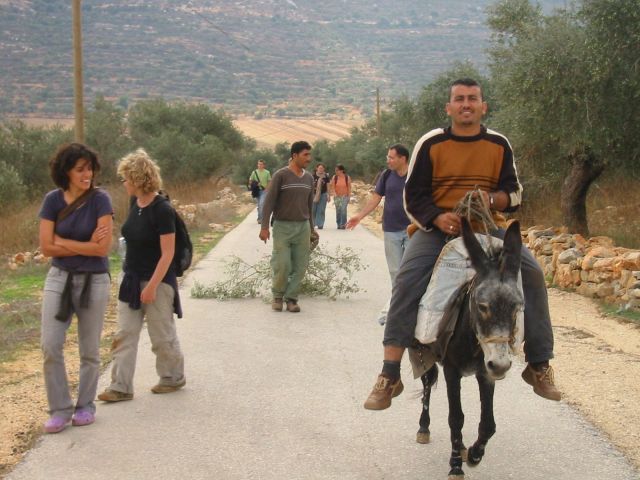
x=479, y=258
x=511, y=252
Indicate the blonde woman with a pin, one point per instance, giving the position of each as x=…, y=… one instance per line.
x=75, y=229
x=149, y=287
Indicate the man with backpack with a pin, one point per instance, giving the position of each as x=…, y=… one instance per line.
x=341, y=187
x=390, y=185
x=258, y=183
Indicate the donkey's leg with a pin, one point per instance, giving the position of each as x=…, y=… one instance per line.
x=428, y=380
x=456, y=422
x=487, y=426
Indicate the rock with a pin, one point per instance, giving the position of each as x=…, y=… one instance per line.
x=563, y=276
x=19, y=258
x=587, y=289
x=535, y=234
x=13, y=266
x=631, y=261
x=635, y=293
x=569, y=256
x=605, y=264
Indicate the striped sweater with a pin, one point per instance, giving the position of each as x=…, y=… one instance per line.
x=289, y=197
x=444, y=167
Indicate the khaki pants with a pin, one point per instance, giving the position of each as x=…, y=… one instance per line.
x=164, y=341
x=290, y=257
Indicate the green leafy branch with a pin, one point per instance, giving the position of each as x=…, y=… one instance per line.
x=328, y=274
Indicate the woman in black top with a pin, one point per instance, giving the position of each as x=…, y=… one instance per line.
x=149, y=288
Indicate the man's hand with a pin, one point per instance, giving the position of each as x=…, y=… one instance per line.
x=486, y=198
x=353, y=222
x=264, y=234
x=448, y=222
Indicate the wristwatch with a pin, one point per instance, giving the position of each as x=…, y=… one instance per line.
x=491, y=202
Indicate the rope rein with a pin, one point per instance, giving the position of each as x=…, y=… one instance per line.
x=476, y=210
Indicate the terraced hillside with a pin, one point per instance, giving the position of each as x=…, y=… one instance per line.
x=299, y=57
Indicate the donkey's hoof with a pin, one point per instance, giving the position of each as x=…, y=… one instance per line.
x=474, y=457
x=456, y=474
x=423, y=437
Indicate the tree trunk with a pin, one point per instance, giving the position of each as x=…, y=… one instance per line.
x=585, y=168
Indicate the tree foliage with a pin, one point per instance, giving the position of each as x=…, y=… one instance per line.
x=564, y=82
x=189, y=142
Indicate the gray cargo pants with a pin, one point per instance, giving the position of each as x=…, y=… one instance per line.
x=53, y=335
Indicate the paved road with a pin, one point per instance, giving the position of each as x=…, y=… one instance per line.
x=279, y=396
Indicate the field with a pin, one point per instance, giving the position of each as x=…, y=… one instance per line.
x=267, y=131
x=270, y=131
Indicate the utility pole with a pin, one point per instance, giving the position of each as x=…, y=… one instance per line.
x=378, y=111
x=77, y=67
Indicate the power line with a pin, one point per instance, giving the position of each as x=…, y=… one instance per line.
x=225, y=33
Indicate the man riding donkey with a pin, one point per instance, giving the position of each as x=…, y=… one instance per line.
x=445, y=165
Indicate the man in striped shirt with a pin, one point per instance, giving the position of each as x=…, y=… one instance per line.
x=290, y=199
x=444, y=166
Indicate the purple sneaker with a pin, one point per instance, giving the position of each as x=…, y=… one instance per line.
x=82, y=417
x=55, y=424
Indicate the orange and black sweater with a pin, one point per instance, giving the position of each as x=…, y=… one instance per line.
x=444, y=167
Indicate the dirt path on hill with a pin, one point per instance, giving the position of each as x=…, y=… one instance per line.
x=597, y=368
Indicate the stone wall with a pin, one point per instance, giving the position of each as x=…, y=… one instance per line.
x=595, y=268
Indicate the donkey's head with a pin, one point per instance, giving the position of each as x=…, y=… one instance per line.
x=495, y=300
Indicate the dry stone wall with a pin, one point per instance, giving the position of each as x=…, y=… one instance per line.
x=592, y=267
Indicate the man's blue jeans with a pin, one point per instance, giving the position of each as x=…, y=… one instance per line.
x=341, y=210
x=260, y=202
x=318, y=210
x=394, y=246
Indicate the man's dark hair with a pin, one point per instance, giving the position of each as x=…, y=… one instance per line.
x=297, y=147
x=467, y=82
x=341, y=168
x=66, y=158
x=400, y=150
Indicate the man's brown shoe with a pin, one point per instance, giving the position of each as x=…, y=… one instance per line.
x=542, y=382
x=292, y=306
x=382, y=393
x=114, y=396
x=277, y=304
x=161, y=388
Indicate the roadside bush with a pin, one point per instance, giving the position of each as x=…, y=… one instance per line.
x=12, y=190
x=27, y=150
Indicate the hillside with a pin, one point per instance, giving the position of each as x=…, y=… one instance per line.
x=274, y=57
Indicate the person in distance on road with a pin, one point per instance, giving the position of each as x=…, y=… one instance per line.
x=260, y=177
x=321, y=195
x=341, y=189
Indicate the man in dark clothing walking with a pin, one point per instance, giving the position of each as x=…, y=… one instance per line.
x=290, y=199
